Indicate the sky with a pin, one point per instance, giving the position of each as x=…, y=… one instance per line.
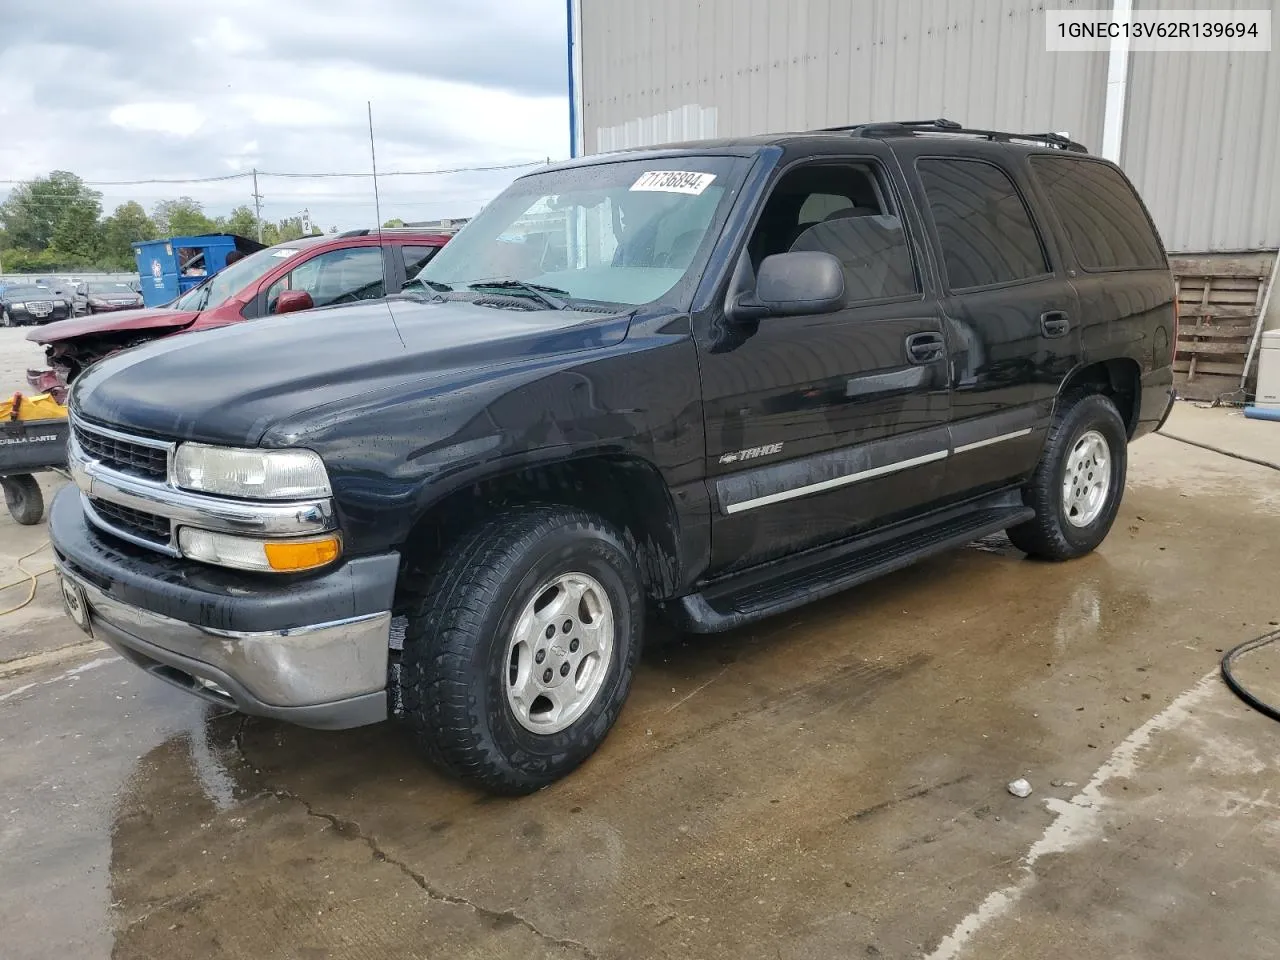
x=147, y=89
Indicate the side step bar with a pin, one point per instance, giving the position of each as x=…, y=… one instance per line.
x=778, y=587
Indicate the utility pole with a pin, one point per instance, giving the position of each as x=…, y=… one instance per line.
x=257, y=204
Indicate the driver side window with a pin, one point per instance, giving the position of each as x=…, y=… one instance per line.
x=339, y=276
x=843, y=209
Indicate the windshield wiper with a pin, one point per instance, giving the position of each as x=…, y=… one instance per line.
x=435, y=285
x=550, y=296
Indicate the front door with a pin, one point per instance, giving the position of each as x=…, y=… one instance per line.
x=822, y=426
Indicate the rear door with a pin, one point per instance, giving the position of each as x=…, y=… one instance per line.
x=1012, y=314
x=1120, y=272
x=821, y=426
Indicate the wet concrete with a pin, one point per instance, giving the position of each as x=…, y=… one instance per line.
x=828, y=784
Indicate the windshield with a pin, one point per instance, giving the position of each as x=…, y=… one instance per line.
x=109, y=290
x=616, y=233
x=19, y=293
x=225, y=283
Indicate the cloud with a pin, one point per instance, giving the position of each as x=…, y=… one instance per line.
x=138, y=89
x=178, y=119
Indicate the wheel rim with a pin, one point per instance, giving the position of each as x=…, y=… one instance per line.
x=559, y=653
x=1087, y=480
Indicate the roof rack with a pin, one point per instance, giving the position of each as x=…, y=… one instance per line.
x=373, y=231
x=908, y=128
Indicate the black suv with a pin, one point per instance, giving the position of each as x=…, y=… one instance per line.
x=719, y=380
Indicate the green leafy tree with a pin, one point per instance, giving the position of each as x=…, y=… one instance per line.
x=182, y=217
x=241, y=222
x=77, y=237
x=31, y=261
x=128, y=224
x=394, y=222
x=34, y=209
x=290, y=228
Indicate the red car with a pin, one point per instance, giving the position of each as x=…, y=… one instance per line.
x=297, y=275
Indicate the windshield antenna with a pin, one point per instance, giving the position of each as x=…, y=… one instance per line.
x=377, y=212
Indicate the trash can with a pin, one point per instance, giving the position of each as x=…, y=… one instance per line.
x=1268, y=393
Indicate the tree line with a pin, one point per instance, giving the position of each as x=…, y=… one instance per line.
x=55, y=223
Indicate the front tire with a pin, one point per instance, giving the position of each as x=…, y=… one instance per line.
x=5, y=319
x=521, y=648
x=1079, y=481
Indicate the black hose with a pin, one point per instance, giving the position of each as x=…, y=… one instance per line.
x=1213, y=449
x=1236, y=686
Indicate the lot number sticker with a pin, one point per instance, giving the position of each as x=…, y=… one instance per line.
x=674, y=181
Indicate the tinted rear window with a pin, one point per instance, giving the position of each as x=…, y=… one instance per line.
x=983, y=225
x=1103, y=217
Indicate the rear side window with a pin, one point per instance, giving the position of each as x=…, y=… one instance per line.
x=1103, y=217
x=983, y=224
x=415, y=258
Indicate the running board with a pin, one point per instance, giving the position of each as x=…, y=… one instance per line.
x=784, y=585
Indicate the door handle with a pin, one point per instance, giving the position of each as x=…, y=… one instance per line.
x=925, y=348
x=1054, y=323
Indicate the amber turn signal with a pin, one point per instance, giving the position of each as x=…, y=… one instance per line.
x=286, y=555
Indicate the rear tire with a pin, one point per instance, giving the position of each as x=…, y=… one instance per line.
x=23, y=498
x=478, y=703
x=1079, y=481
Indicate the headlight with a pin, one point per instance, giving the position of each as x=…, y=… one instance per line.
x=250, y=474
x=246, y=553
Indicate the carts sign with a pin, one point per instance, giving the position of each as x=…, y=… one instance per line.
x=42, y=438
x=674, y=181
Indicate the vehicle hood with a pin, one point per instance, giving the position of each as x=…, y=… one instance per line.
x=230, y=384
x=153, y=318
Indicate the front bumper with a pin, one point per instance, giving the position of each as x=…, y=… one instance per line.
x=312, y=651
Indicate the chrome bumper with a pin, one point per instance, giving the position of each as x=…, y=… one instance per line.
x=328, y=675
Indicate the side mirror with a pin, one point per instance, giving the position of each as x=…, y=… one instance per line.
x=793, y=284
x=291, y=301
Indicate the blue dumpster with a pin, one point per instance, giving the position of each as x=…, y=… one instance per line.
x=169, y=268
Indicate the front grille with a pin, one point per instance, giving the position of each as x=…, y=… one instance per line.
x=40, y=308
x=148, y=526
x=124, y=455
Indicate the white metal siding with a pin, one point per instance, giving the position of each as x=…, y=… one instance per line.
x=657, y=70
x=1202, y=141
x=1202, y=130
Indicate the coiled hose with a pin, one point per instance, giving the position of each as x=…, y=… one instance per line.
x=1238, y=688
x=1229, y=658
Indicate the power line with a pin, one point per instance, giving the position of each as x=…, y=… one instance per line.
x=135, y=183
x=322, y=175
x=410, y=173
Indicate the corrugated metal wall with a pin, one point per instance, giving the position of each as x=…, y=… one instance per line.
x=659, y=70
x=1202, y=132
x=1202, y=141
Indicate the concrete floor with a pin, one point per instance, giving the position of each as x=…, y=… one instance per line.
x=827, y=784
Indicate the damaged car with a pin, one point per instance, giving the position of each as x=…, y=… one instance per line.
x=292, y=276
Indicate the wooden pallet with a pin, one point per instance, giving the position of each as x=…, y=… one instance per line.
x=1219, y=301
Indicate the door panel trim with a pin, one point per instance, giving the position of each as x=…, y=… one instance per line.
x=974, y=433
x=833, y=483
x=990, y=440
x=779, y=482
x=775, y=483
